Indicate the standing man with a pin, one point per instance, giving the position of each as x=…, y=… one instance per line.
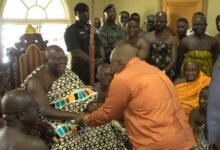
x=181, y=28
x=199, y=46
x=77, y=39
x=153, y=121
x=110, y=33
x=123, y=18
x=163, y=51
x=142, y=46
x=97, y=23
x=149, y=23
x=137, y=17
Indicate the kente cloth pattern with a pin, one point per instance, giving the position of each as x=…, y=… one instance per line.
x=188, y=92
x=203, y=58
x=68, y=93
x=160, y=56
x=201, y=141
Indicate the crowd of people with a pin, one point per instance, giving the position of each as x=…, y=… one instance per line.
x=155, y=89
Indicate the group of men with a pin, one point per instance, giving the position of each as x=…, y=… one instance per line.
x=141, y=95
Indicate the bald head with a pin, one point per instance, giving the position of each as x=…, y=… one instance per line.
x=53, y=49
x=161, y=14
x=199, y=18
x=191, y=71
x=16, y=100
x=123, y=51
x=199, y=24
x=160, y=21
x=121, y=55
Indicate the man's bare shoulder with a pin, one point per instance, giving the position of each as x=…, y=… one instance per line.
x=37, y=78
x=38, y=81
x=149, y=36
x=141, y=41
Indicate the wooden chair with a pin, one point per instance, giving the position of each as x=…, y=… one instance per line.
x=25, y=57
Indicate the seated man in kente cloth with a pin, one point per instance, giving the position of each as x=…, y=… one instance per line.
x=189, y=87
x=61, y=95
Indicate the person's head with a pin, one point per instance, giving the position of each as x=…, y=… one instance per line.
x=110, y=13
x=182, y=27
x=55, y=59
x=137, y=17
x=104, y=74
x=199, y=24
x=123, y=18
x=121, y=55
x=217, y=21
x=132, y=27
x=198, y=14
x=150, y=23
x=19, y=105
x=203, y=98
x=191, y=71
x=160, y=21
x=97, y=23
x=81, y=11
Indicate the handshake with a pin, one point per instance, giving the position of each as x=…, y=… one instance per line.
x=82, y=116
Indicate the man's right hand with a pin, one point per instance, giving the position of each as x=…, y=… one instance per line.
x=79, y=117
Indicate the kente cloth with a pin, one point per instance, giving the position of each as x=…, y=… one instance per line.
x=201, y=142
x=160, y=56
x=203, y=58
x=213, y=111
x=188, y=92
x=68, y=93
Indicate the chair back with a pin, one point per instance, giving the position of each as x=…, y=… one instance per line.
x=25, y=57
x=28, y=61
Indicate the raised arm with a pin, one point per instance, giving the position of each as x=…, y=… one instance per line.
x=36, y=87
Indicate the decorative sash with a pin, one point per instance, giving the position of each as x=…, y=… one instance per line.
x=69, y=126
x=77, y=96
